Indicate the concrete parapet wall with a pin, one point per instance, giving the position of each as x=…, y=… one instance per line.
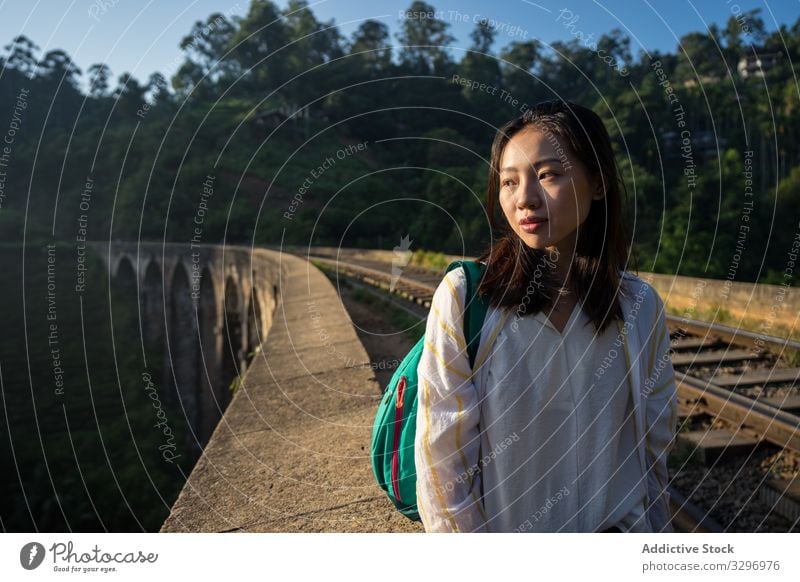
x=367, y=254
x=769, y=309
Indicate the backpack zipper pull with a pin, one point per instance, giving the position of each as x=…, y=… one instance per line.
x=401, y=388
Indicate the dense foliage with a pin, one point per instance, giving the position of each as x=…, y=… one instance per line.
x=260, y=103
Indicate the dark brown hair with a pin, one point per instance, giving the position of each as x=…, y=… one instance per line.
x=519, y=277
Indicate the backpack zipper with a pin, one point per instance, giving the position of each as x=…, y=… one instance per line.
x=398, y=419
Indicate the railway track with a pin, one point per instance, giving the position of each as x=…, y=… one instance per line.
x=737, y=393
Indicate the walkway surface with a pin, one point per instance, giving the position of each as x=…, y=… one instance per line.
x=291, y=453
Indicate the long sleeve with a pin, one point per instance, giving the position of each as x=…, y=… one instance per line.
x=661, y=402
x=447, y=439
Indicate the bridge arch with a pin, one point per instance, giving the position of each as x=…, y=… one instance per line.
x=254, y=321
x=212, y=392
x=199, y=310
x=152, y=306
x=231, y=334
x=124, y=307
x=184, y=356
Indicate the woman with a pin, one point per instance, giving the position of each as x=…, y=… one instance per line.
x=566, y=422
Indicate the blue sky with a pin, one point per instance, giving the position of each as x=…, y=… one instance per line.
x=142, y=36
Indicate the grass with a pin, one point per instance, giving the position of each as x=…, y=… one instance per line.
x=682, y=457
x=721, y=315
x=399, y=318
x=432, y=260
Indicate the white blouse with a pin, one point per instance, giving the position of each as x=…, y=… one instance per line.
x=550, y=417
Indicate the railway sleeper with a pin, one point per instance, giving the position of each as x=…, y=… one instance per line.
x=709, y=446
x=769, y=376
x=693, y=343
x=703, y=358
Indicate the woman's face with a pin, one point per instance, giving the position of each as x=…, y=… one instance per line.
x=541, y=179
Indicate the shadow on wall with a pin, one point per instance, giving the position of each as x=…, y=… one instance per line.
x=197, y=331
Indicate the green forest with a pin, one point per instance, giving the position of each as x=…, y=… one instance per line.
x=79, y=449
x=276, y=129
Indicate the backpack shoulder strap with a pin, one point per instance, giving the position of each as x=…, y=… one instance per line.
x=476, y=307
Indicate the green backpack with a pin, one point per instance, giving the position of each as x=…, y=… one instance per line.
x=396, y=420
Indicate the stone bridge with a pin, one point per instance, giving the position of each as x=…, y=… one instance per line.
x=204, y=309
x=290, y=451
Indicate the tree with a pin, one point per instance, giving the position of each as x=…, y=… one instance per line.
x=700, y=57
x=753, y=27
x=129, y=95
x=480, y=66
x=261, y=33
x=482, y=37
x=207, y=44
x=369, y=58
x=311, y=44
x=566, y=71
x=446, y=149
x=780, y=234
x=425, y=41
x=58, y=78
x=22, y=55
x=618, y=46
x=57, y=68
x=517, y=62
x=156, y=88
x=370, y=43
x=99, y=74
x=187, y=79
